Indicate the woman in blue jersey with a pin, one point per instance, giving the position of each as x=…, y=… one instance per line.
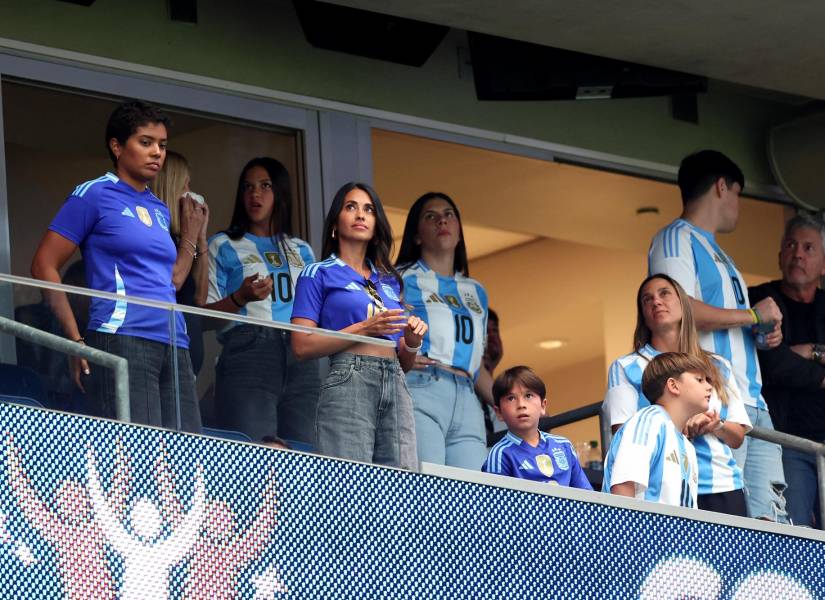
x=260, y=388
x=364, y=410
x=665, y=323
x=122, y=231
x=449, y=420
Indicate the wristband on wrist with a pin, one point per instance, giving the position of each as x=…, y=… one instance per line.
x=719, y=426
x=756, y=318
x=235, y=302
x=413, y=349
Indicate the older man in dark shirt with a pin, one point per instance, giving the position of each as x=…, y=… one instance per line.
x=794, y=372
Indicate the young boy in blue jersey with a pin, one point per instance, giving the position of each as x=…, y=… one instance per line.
x=649, y=458
x=525, y=451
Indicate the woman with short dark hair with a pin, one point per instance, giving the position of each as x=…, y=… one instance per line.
x=122, y=230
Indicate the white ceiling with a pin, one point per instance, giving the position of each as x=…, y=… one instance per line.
x=761, y=43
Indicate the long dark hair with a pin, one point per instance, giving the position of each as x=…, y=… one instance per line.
x=379, y=248
x=281, y=221
x=410, y=252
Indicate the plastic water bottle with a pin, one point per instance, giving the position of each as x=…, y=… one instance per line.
x=760, y=332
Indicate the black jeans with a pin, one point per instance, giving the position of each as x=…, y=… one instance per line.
x=262, y=389
x=151, y=382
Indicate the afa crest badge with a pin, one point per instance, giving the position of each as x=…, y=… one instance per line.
x=472, y=304
x=561, y=458
x=390, y=293
x=161, y=219
x=144, y=216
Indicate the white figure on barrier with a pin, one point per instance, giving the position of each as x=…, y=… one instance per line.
x=220, y=552
x=147, y=560
x=70, y=527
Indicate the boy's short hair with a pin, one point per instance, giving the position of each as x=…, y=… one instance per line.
x=699, y=171
x=127, y=117
x=520, y=374
x=667, y=365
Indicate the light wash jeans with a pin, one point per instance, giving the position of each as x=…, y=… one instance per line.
x=449, y=421
x=262, y=389
x=803, y=489
x=365, y=412
x=764, y=479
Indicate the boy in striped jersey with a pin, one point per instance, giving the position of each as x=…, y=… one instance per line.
x=649, y=458
x=526, y=452
x=687, y=251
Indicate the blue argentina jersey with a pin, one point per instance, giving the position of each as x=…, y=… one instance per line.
x=455, y=309
x=334, y=296
x=553, y=460
x=649, y=451
x=124, y=237
x=692, y=257
x=718, y=471
x=230, y=261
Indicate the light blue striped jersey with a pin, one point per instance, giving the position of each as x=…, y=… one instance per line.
x=230, y=261
x=718, y=471
x=123, y=235
x=649, y=451
x=692, y=257
x=553, y=460
x=455, y=309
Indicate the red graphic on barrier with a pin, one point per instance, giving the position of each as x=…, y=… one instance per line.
x=70, y=527
x=81, y=520
x=219, y=554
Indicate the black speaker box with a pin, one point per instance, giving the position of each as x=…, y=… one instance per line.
x=367, y=33
x=506, y=69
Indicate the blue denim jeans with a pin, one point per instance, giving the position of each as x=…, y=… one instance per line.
x=151, y=382
x=803, y=490
x=365, y=412
x=761, y=464
x=262, y=389
x=449, y=422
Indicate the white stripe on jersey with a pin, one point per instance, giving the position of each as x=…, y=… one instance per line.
x=692, y=257
x=647, y=451
x=718, y=471
x=230, y=261
x=455, y=309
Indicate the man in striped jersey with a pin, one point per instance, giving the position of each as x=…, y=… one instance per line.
x=710, y=184
x=526, y=452
x=649, y=458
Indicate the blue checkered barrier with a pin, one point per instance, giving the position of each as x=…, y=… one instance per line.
x=96, y=509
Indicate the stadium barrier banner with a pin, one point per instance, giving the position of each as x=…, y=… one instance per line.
x=96, y=509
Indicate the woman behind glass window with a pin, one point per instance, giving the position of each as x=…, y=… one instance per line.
x=364, y=412
x=260, y=388
x=449, y=420
x=189, y=220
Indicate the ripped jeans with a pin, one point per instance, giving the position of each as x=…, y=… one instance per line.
x=761, y=464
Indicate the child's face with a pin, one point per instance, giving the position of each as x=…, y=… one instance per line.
x=521, y=409
x=695, y=391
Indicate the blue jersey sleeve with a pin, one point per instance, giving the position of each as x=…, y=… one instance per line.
x=76, y=218
x=498, y=462
x=309, y=295
x=578, y=479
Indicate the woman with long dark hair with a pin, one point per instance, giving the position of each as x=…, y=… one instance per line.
x=665, y=323
x=260, y=388
x=449, y=420
x=364, y=410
